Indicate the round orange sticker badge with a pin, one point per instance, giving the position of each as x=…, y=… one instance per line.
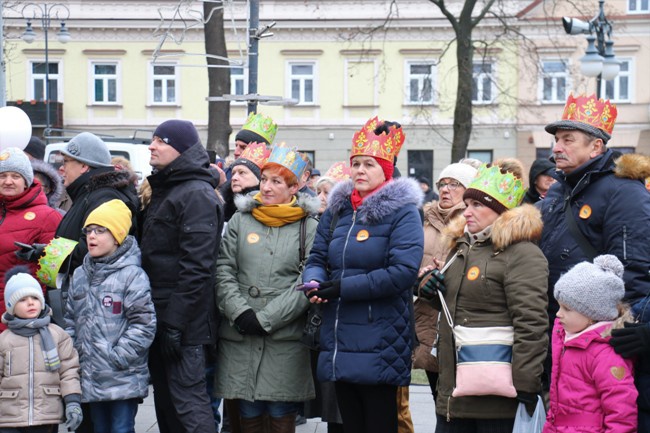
x=29, y=216
x=362, y=235
x=585, y=212
x=4, y=156
x=253, y=238
x=473, y=273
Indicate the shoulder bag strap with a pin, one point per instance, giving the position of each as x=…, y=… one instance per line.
x=303, y=243
x=577, y=235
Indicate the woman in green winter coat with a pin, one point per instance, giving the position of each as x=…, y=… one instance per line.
x=261, y=362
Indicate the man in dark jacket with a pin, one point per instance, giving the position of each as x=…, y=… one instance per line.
x=180, y=240
x=608, y=213
x=541, y=177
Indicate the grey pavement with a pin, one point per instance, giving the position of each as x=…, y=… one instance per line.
x=421, y=405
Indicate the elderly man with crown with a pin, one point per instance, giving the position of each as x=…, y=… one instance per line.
x=365, y=259
x=600, y=206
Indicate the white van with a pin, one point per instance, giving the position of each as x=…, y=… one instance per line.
x=137, y=154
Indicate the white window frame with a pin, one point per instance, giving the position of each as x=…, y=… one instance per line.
x=302, y=78
x=630, y=82
x=554, y=75
x=117, y=77
x=420, y=79
x=233, y=82
x=638, y=6
x=32, y=76
x=478, y=78
x=165, y=79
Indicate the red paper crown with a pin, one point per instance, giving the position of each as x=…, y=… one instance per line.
x=384, y=146
x=339, y=171
x=257, y=153
x=598, y=113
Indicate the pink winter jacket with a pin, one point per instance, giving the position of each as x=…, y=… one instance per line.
x=592, y=388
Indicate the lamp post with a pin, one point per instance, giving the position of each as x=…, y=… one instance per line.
x=45, y=13
x=599, y=60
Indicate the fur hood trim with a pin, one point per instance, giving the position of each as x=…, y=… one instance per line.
x=246, y=202
x=633, y=166
x=521, y=224
x=56, y=181
x=388, y=200
x=112, y=179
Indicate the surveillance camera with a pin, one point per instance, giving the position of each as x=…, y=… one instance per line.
x=574, y=26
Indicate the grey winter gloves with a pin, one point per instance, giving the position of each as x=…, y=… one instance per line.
x=29, y=253
x=73, y=415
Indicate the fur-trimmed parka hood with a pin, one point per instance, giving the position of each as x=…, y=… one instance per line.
x=633, y=166
x=246, y=202
x=388, y=200
x=520, y=224
x=56, y=181
x=114, y=178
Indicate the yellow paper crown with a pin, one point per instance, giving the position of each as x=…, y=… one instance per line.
x=385, y=146
x=339, y=171
x=289, y=158
x=50, y=263
x=257, y=153
x=262, y=125
x=598, y=113
x=504, y=188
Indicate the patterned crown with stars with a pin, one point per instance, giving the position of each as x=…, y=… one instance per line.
x=598, y=113
x=261, y=125
x=383, y=146
x=504, y=188
x=289, y=158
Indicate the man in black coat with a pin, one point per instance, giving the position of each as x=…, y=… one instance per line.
x=181, y=232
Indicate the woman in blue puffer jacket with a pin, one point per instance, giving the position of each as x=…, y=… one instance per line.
x=366, y=267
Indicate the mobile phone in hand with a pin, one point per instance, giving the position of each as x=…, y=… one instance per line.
x=305, y=287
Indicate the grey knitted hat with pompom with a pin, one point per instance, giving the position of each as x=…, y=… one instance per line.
x=593, y=289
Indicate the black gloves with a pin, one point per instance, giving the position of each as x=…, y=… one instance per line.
x=328, y=290
x=632, y=340
x=29, y=253
x=431, y=283
x=529, y=399
x=247, y=324
x=170, y=343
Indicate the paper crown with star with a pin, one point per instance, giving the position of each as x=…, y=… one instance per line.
x=490, y=184
x=589, y=114
x=52, y=259
x=262, y=125
x=288, y=158
x=339, y=171
x=384, y=146
x=257, y=153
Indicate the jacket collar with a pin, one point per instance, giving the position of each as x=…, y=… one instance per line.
x=388, y=200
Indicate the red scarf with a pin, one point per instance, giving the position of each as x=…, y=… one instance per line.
x=356, y=198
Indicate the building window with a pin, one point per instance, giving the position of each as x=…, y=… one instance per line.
x=164, y=83
x=238, y=81
x=554, y=82
x=482, y=155
x=104, y=78
x=302, y=82
x=638, y=6
x=38, y=81
x=482, y=83
x=420, y=82
x=618, y=89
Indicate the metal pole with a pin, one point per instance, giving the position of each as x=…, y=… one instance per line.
x=599, y=26
x=253, y=47
x=3, y=89
x=46, y=24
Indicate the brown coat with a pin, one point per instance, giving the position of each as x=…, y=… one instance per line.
x=426, y=317
x=21, y=362
x=508, y=290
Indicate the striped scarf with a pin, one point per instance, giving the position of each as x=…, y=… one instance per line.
x=29, y=328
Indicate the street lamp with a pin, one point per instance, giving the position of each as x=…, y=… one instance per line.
x=599, y=60
x=45, y=13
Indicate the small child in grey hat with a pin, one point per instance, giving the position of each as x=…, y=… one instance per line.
x=592, y=387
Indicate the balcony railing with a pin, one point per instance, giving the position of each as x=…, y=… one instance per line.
x=35, y=110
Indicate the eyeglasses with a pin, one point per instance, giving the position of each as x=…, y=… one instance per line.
x=99, y=230
x=451, y=185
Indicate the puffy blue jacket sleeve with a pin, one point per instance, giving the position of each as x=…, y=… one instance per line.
x=317, y=263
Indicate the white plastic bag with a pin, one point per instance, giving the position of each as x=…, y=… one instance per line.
x=524, y=423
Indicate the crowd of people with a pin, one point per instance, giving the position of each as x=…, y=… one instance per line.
x=282, y=293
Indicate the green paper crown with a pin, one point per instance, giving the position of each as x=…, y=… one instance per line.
x=261, y=125
x=504, y=188
x=50, y=263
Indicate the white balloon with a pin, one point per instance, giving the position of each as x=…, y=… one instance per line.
x=15, y=128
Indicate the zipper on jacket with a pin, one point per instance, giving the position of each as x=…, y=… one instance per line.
x=338, y=305
x=624, y=242
x=30, y=410
x=448, y=404
x=369, y=312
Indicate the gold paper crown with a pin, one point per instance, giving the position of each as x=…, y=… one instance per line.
x=384, y=146
x=339, y=171
x=289, y=158
x=504, y=188
x=257, y=153
x=598, y=113
x=262, y=125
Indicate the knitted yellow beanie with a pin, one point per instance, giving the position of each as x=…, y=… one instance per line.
x=115, y=216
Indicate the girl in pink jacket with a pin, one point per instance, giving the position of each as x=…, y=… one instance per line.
x=592, y=388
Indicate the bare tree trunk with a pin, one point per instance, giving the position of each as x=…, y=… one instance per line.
x=219, y=128
x=463, y=109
